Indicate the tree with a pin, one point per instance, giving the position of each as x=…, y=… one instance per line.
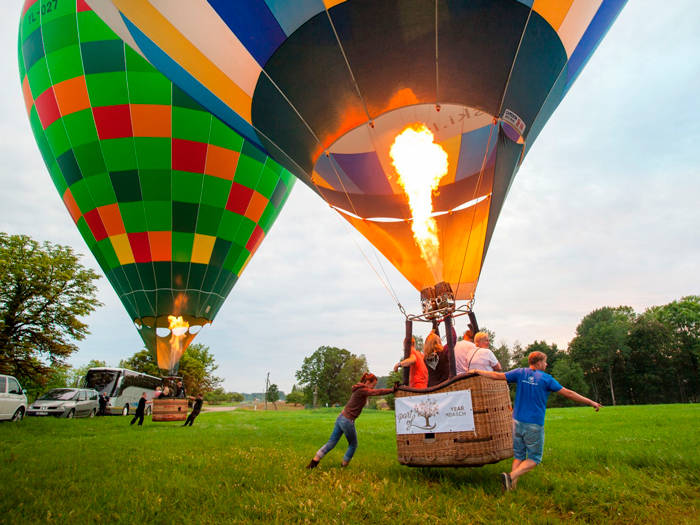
x=196, y=367
x=296, y=396
x=76, y=376
x=551, y=351
x=502, y=353
x=332, y=371
x=237, y=397
x=272, y=395
x=58, y=376
x=570, y=375
x=600, y=345
x=393, y=377
x=682, y=318
x=142, y=361
x=44, y=291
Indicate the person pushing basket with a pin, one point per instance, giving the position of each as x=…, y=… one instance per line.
x=533, y=388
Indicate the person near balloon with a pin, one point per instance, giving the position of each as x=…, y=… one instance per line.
x=103, y=404
x=463, y=350
x=436, y=360
x=345, y=422
x=196, y=409
x=481, y=357
x=533, y=389
x=140, y=410
x=180, y=390
x=418, y=372
x=165, y=392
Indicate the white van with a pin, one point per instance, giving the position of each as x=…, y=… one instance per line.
x=13, y=401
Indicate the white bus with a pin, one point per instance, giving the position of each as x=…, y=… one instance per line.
x=123, y=388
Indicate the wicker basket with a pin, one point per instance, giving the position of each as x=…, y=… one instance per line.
x=491, y=441
x=169, y=409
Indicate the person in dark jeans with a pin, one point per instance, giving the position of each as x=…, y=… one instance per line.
x=140, y=410
x=196, y=409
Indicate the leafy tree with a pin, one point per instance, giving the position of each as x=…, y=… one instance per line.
x=142, y=361
x=600, y=345
x=58, y=376
x=649, y=369
x=44, y=291
x=570, y=375
x=502, y=353
x=332, y=371
x=551, y=351
x=76, y=376
x=683, y=320
x=272, y=395
x=197, y=368
x=236, y=397
x=296, y=396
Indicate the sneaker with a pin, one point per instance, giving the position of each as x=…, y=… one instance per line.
x=506, y=481
x=312, y=464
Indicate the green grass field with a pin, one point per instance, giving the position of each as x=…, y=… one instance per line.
x=621, y=465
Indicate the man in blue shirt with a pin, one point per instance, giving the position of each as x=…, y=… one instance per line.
x=533, y=388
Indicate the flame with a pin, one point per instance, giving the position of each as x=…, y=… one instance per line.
x=420, y=164
x=178, y=332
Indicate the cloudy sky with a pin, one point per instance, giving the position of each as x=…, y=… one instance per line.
x=604, y=211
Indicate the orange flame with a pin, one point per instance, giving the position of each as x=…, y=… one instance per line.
x=420, y=164
x=178, y=330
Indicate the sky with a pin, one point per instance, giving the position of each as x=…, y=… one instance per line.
x=603, y=212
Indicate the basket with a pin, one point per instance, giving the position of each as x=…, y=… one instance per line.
x=490, y=442
x=169, y=409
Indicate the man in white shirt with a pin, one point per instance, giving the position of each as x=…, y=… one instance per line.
x=477, y=356
x=463, y=351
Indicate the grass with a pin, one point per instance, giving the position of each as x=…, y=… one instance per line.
x=622, y=465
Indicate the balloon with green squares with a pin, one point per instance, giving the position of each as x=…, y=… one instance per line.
x=171, y=202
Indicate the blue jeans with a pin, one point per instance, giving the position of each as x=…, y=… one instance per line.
x=528, y=441
x=342, y=426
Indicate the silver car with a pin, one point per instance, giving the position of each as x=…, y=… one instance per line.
x=66, y=402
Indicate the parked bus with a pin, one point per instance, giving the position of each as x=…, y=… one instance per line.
x=123, y=388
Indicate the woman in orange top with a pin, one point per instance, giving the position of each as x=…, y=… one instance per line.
x=418, y=373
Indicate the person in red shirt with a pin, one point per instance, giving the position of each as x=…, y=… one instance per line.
x=345, y=423
x=418, y=373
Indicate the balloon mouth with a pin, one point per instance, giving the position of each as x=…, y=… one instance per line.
x=169, y=336
x=356, y=176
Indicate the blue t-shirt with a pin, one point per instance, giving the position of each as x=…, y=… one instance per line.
x=533, y=388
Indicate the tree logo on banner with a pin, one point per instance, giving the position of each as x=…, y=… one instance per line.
x=426, y=410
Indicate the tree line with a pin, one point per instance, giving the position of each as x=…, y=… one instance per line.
x=617, y=356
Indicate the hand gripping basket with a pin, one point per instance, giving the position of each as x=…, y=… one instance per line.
x=490, y=442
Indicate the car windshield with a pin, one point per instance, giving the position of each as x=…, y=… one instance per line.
x=60, y=394
x=101, y=380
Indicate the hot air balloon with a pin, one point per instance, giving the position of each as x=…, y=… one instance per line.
x=324, y=87
x=352, y=97
x=171, y=202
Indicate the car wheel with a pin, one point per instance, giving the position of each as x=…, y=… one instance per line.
x=71, y=414
x=125, y=410
x=18, y=415
x=92, y=413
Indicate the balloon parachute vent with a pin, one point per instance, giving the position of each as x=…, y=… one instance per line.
x=437, y=301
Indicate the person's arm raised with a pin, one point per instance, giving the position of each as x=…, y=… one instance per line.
x=575, y=396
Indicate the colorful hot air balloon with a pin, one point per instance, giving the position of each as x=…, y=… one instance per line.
x=325, y=86
x=171, y=202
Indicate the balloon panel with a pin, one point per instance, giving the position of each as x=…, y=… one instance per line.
x=171, y=201
x=325, y=71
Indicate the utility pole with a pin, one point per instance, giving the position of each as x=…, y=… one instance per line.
x=267, y=387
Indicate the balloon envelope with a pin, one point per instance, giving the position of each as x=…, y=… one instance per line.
x=171, y=202
x=325, y=86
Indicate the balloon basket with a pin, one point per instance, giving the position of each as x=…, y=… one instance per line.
x=490, y=442
x=169, y=409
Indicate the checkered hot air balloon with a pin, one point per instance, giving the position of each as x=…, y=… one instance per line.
x=171, y=202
